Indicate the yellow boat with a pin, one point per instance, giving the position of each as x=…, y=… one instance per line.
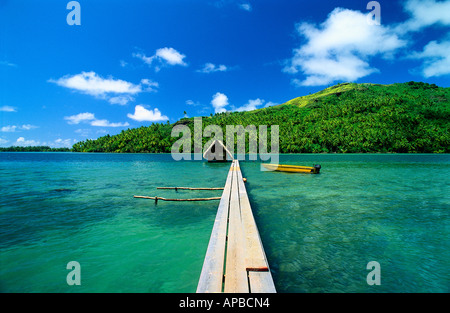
x=293, y=168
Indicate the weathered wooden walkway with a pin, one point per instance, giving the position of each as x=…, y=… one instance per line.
x=235, y=260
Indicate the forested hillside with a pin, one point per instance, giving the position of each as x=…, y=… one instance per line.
x=410, y=117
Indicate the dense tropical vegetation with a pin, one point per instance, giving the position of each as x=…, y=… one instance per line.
x=33, y=149
x=411, y=117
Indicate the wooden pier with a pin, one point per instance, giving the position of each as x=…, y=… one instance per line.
x=235, y=260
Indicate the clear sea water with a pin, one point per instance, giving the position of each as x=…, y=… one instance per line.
x=319, y=231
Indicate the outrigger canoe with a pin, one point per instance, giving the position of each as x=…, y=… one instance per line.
x=294, y=168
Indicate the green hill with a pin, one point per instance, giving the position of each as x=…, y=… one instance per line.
x=410, y=117
x=334, y=90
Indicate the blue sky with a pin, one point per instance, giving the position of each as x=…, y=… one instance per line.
x=131, y=63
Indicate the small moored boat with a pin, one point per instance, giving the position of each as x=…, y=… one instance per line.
x=217, y=152
x=293, y=168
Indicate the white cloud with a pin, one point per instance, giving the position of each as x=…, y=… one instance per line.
x=245, y=7
x=13, y=128
x=436, y=58
x=149, y=84
x=83, y=132
x=219, y=102
x=322, y=71
x=141, y=114
x=106, y=123
x=6, y=63
x=192, y=103
x=211, y=68
x=64, y=143
x=164, y=56
x=143, y=57
x=270, y=104
x=254, y=105
x=81, y=117
x=21, y=141
x=8, y=129
x=425, y=13
x=145, y=84
x=90, y=118
x=28, y=127
x=250, y=105
x=93, y=84
x=339, y=48
x=58, y=143
x=121, y=100
x=7, y=108
x=116, y=91
x=171, y=56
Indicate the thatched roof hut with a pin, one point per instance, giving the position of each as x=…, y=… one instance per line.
x=217, y=152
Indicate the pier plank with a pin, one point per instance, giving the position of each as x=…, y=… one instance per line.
x=235, y=245
x=255, y=256
x=235, y=272
x=211, y=277
x=261, y=282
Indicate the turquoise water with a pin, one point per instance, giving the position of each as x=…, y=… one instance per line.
x=319, y=231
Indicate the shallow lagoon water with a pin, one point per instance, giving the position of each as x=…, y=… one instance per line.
x=319, y=231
